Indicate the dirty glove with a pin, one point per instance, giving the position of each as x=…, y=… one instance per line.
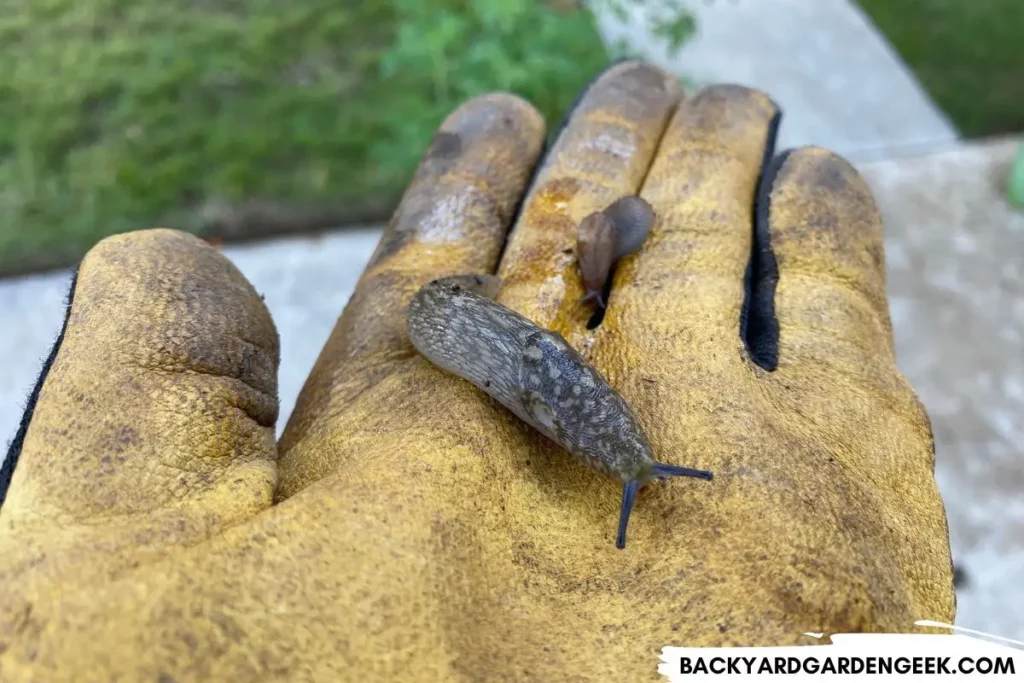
x=408, y=527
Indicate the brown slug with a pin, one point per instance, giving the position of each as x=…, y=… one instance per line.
x=456, y=325
x=606, y=236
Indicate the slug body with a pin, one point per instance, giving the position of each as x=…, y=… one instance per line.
x=455, y=324
x=606, y=236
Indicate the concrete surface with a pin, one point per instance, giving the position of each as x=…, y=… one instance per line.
x=838, y=81
x=955, y=257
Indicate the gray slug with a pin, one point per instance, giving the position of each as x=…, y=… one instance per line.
x=456, y=325
x=606, y=236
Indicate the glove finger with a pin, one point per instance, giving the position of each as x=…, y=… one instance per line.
x=602, y=153
x=687, y=281
x=818, y=316
x=158, y=405
x=452, y=219
x=818, y=295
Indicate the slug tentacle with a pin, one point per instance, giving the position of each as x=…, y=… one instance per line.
x=629, y=491
x=659, y=471
x=663, y=471
x=593, y=295
x=537, y=375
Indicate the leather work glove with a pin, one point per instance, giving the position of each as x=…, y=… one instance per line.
x=408, y=527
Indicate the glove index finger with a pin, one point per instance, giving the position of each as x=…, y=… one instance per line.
x=451, y=220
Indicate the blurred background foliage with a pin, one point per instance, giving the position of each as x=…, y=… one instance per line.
x=236, y=117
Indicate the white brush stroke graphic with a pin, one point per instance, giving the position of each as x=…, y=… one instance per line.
x=856, y=657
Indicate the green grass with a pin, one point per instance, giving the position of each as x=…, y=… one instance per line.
x=969, y=54
x=124, y=114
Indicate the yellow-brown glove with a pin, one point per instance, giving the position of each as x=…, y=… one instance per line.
x=407, y=527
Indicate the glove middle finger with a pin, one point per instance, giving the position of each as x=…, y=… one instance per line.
x=602, y=153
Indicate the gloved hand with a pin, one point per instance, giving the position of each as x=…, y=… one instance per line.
x=407, y=527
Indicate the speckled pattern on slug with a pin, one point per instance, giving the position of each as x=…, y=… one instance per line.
x=456, y=326
x=455, y=323
x=533, y=372
x=582, y=412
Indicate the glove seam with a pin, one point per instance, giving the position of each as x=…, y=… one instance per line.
x=14, y=450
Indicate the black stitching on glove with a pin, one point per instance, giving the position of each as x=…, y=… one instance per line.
x=14, y=451
x=759, y=328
